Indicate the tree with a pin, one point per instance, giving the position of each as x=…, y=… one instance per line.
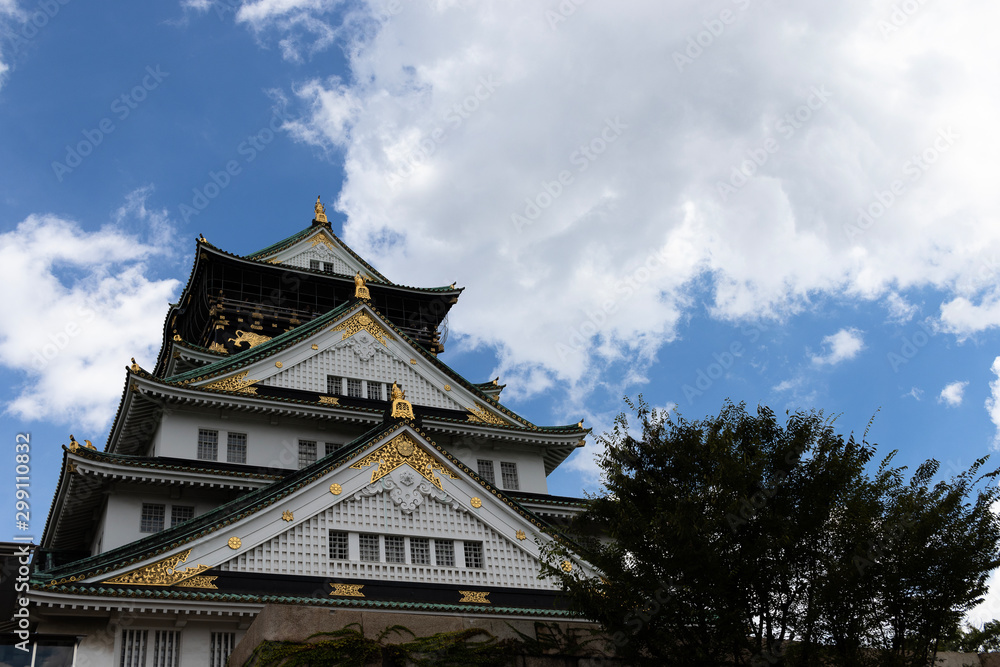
x=738, y=540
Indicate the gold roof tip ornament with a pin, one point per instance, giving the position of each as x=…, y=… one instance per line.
x=320, y=211
x=401, y=408
x=73, y=444
x=360, y=291
x=89, y=444
x=135, y=366
x=201, y=238
x=579, y=424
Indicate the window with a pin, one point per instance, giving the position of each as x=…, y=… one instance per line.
x=152, y=518
x=395, y=549
x=328, y=267
x=236, y=448
x=420, y=551
x=133, y=648
x=330, y=447
x=222, y=645
x=368, y=544
x=208, y=445
x=485, y=468
x=165, y=648
x=333, y=385
x=354, y=388
x=508, y=472
x=474, y=555
x=338, y=545
x=307, y=452
x=315, y=264
x=444, y=553
x=179, y=514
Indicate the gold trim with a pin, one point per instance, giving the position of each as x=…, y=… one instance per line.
x=235, y=542
x=287, y=516
x=483, y=416
x=478, y=597
x=248, y=337
x=166, y=573
x=476, y=502
x=566, y=566
x=520, y=535
x=277, y=364
x=236, y=383
x=324, y=239
x=447, y=387
x=348, y=590
x=319, y=211
x=360, y=291
x=218, y=347
x=329, y=400
x=335, y=489
x=389, y=457
x=315, y=346
x=361, y=321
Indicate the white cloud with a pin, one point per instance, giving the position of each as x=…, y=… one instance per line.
x=82, y=307
x=993, y=402
x=457, y=116
x=843, y=345
x=915, y=393
x=900, y=310
x=953, y=393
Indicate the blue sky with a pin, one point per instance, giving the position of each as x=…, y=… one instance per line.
x=790, y=204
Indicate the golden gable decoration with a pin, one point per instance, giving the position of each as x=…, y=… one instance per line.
x=324, y=239
x=403, y=450
x=483, y=416
x=361, y=321
x=166, y=573
x=360, y=291
x=237, y=383
x=348, y=590
x=478, y=597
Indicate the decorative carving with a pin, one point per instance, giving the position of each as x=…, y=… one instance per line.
x=315, y=346
x=401, y=408
x=389, y=457
x=274, y=261
x=165, y=573
x=277, y=364
x=348, y=590
x=198, y=582
x=407, y=479
x=483, y=416
x=248, y=337
x=235, y=542
x=520, y=535
x=567, y=566
x=89, y=444
x=361, y=321
x=329, y=400
x=410, y=497
x=135, y=366
x=447, y=387
x=237, y=383
x=362, y=346
x=320, y=211
x=413, y=362
x=360, y=291
x=218, y=347
x=287, y=516
x=73, y=444
x=324, y=239
x=476, y=502
x=335, y=489
x=478, y=597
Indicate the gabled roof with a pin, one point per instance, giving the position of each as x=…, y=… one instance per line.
x=305, y=234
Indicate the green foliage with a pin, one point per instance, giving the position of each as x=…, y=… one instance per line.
x=743, y=541
x=974, y=640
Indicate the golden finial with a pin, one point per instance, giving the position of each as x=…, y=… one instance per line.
x=580, y=424
x=360, y=291
x=495, y=381
x=401, y=408
x=397, y=393
x=135, y=366
x=320, y=211
x=453, y=286
x=73, y=444
x=201, y=238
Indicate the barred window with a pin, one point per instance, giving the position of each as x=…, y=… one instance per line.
x=166, y=649
x=328, y=267
x=330, y=447
x=179, y=514
x=221, y=646
x=338, y=545
x=133, y=648
x=354, y=388
x=420, y=551
x=369, y=548
x=444, y=553
x=152, y=518
x=208, y=445
x=236, y=448
x=485, y=468
x=395, y=549
x=474, y=555
x=315, y=264
x=307, y=452
x=333, y=385
x=508, y=472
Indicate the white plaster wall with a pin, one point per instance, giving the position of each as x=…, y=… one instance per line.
x=123, y=511
x=530, y=464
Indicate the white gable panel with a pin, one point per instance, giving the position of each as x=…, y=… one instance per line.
x=323, y=254
x=362, y=357
x=304, y=549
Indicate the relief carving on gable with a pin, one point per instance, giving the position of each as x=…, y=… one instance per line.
x=408, y=491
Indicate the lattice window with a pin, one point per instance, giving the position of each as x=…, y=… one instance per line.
x=474, y=555
x=354, y=388
x=236, y=448
x=307, y=452
x=315, y=264
x=180, y=514
x=369, y=547
x=444, y=553
x=221, y=646
x=208, y=445
x=331, y=447
x=508, y=473
x=133, y=648
x=334, y=385
x=486, y=471
x=395, y=549
x=166, y=649
x=338, y=545
x=152, y=518
x=420, y=551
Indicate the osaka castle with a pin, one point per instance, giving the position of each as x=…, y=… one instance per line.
x=298, y=442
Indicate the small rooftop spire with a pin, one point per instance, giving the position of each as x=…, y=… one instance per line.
x=320, y=212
